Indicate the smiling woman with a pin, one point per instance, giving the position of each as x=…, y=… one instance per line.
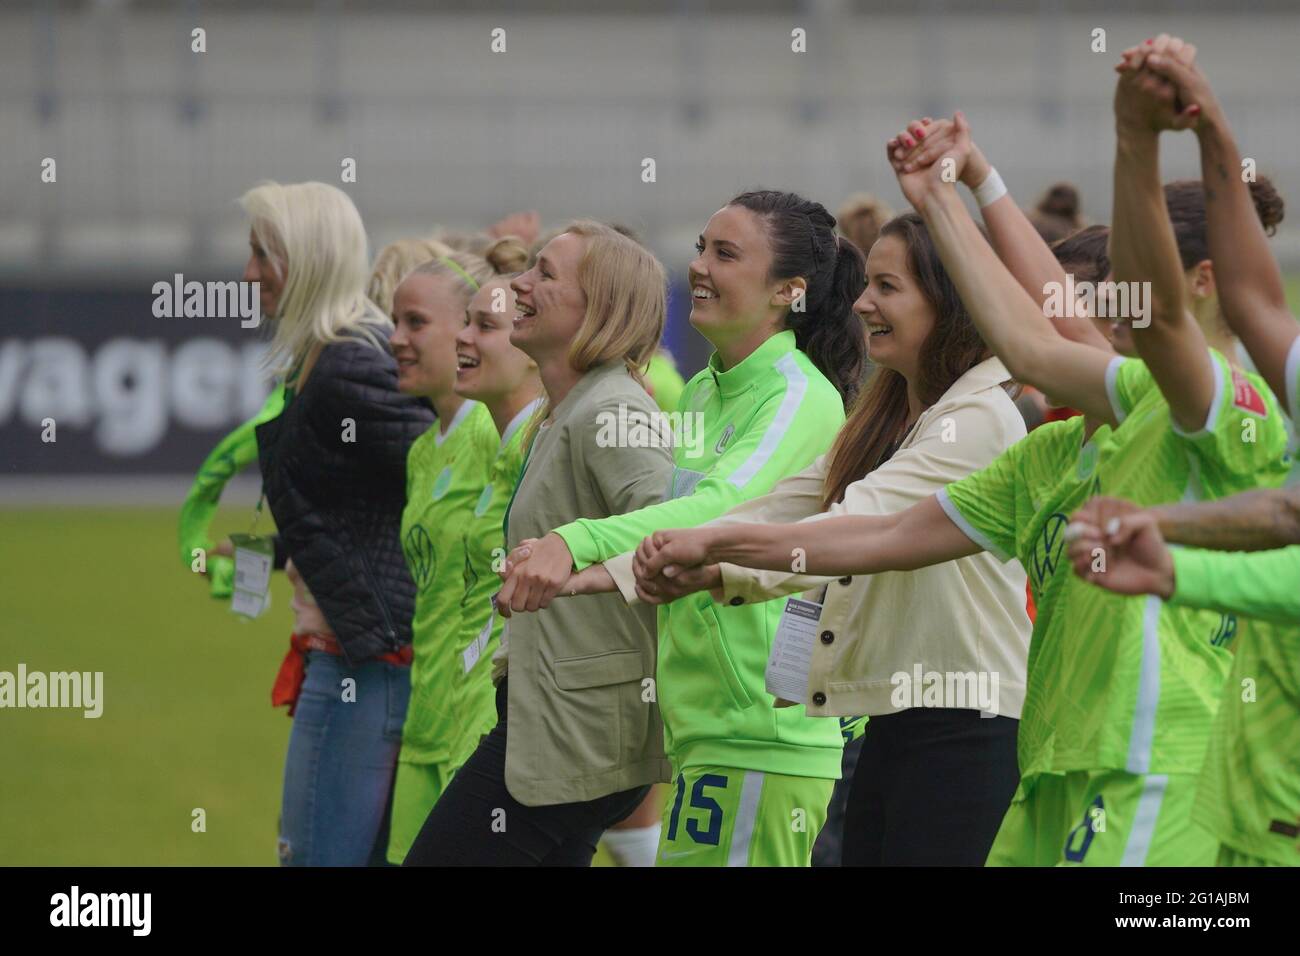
x=577, y=743
x=332, y=465
x=773, y=289
x=447, y=539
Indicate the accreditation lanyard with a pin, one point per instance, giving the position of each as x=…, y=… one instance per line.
x=254, y=558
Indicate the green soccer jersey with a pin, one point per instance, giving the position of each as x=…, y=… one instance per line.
x=740, y=432
x=1249, y=793
x=665, y=381
x=444, y=475
x=478, y=628
x=1123, y=683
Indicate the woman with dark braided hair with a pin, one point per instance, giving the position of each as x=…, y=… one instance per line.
x=772, y=289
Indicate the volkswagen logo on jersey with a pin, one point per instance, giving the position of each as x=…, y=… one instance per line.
x=419, y=552
x=1047, y=550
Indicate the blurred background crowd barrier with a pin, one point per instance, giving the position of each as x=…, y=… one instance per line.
x=153, y=142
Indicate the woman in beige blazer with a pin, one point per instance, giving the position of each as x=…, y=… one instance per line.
x=935, y=656
x=574, y=681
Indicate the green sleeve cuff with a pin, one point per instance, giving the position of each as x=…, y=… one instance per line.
x=1193, y=574
x=221, y=576
x=1260, y=585
x=581, y=544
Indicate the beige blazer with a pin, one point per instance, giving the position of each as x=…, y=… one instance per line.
x=964, y=617
x=582, y=711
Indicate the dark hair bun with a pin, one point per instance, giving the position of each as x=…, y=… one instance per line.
x=1268, y=203
x=1061, y=199
x=507, y=255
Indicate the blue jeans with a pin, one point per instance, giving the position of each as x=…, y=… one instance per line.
x=338, y=774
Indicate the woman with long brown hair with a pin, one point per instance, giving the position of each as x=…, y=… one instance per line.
x=933, y=779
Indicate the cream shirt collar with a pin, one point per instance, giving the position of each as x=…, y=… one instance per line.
x=978, y=377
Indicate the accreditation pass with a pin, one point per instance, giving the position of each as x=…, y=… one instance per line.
x=254, y=558
x=792, y=650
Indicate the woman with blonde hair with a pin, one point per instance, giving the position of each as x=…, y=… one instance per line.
x=772, y=290
x=575, y=682
x=334, y=476
x=452, y=520
x=396, y=261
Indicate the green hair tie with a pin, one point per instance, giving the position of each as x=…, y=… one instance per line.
x=463, y=274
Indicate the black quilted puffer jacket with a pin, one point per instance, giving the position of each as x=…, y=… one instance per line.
x=338, y=502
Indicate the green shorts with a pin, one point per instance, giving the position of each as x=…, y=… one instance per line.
x=721, y=816
x=1230, y=857
x=1103, y=818
x=416, y=789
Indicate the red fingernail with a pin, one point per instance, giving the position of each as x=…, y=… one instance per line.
x=1150, y=41
x=1194, y=109
x=920, y=134
x=908, y=142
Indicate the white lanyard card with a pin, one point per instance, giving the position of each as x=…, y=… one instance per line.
x=254, y=558
x=792, y=650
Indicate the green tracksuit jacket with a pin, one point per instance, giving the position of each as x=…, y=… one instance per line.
x=741, y=431
x=232, y=455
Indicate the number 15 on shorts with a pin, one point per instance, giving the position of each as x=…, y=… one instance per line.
x=705, y=825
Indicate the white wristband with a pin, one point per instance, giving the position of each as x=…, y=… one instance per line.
x=991, y=190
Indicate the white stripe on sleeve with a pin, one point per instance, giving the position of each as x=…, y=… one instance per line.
x=968, y=529
x=1112, y=392
x=796, y=388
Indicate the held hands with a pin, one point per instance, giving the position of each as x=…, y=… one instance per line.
x=665, y=590
x=1117, y=546
x=939, y=137
x=671, y=564
x=929, y=154
x=534, y=573
x=1148, y=97
x=1193, y=88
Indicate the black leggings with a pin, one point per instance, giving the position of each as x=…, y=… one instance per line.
x=477, y=823
x=930, y=789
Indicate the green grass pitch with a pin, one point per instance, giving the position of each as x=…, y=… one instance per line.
x=187, y=721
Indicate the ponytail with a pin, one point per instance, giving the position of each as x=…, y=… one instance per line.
x=1185, y=200
x=830, y=332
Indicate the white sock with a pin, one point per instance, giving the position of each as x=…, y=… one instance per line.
x=633, y=847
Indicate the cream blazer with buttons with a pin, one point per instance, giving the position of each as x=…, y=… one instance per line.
x=964, y=617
